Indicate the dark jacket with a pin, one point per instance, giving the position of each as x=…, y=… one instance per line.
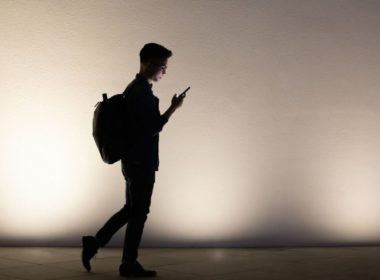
x=146, y=124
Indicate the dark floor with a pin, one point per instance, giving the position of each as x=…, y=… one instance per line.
x=346, y=263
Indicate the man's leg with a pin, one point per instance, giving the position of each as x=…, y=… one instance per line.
x=118, y=220
x=139, y=190
x=91, y=244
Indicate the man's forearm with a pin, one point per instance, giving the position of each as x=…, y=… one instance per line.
x=169, y=112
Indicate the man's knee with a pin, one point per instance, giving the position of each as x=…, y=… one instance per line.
x=140, y=211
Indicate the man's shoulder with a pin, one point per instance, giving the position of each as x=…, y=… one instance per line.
x=136, y=87
x=140, y=97
x=140, y=93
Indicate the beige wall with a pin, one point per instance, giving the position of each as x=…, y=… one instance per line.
x=277, y=143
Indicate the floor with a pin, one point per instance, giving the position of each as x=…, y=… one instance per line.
x=359, y=263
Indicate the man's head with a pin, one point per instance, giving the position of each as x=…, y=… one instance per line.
x=153, y=61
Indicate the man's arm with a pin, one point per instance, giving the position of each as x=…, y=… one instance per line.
x=146, y=115
x=176, y=103
x=148, y=120
x=169, y=112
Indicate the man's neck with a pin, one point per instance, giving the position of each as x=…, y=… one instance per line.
x=148, y=79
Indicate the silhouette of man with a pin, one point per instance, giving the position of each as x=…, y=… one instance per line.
x=140, y=163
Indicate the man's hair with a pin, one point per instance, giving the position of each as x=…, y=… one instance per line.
x=154, y=51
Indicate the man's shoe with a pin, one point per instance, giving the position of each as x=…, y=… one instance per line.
x=135, y=270
x=89, y=249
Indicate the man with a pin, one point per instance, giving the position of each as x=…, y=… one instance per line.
x=139, y=164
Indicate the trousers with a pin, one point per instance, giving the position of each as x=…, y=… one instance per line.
x=139, y=188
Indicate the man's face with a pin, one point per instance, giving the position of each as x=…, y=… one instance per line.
x=158, y=68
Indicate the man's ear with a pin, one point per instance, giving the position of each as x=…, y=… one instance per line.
x=147, y=65
x=144, y=66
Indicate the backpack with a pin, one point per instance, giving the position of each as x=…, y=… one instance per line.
x=110, y=127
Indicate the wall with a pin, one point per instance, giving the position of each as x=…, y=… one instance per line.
x=277, y=143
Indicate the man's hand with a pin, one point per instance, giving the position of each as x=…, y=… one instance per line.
x=177, y=101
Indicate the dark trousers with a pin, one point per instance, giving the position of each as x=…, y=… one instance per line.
x=139, y=188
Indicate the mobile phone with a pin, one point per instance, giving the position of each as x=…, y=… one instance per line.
x=183, y=94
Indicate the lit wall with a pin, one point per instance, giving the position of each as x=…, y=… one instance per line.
x=277, y=143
